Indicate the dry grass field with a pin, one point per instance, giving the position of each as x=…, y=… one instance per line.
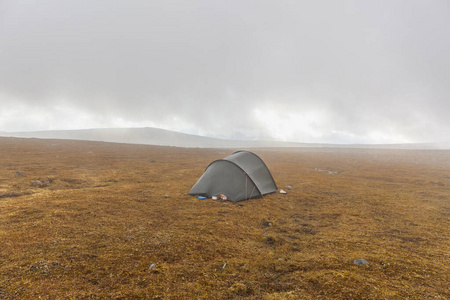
x=91, y=220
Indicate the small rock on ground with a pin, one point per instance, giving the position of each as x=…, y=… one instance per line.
x=267, y=224
x=360, y=262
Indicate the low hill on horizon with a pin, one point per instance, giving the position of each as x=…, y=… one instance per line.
x=163, y=137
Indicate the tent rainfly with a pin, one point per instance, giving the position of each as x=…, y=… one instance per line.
x=240, y=176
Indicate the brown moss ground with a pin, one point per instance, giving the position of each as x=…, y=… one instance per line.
x=102, y=219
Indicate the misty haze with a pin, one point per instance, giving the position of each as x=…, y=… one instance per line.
x=342, y=72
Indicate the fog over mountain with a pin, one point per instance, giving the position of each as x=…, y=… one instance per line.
x=301, y=71
x=162, y=137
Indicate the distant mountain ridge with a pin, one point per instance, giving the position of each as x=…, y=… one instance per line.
x=163, y=137
x=147, y=136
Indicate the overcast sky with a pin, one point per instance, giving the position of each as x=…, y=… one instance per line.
x=306, y=71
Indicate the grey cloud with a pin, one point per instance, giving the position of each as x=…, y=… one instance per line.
x=378, y=65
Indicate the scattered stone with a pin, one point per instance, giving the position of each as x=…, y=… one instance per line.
x=47, y=181
x=267, y=224
x=288, y=187
x=326, y=171
x=360, y=262
x=166, y=196
x=18, y=173
x=152, y=267
x=384, y=265
x=40, y=266
x=283, y=192
x=36, y=182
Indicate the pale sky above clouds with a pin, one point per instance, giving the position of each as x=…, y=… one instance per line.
x=306, y=71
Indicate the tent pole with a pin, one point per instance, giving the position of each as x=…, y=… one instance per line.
x=246, y=176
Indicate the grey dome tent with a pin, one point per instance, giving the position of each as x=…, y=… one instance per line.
x=240, y=176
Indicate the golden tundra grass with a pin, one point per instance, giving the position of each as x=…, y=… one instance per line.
x=100, y=219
